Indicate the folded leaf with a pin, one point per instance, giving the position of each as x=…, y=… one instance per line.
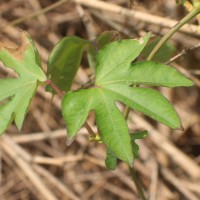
x=64, y=61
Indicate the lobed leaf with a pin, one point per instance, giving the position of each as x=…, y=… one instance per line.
x=115, y=76
x=16, y=93
x=110, y=122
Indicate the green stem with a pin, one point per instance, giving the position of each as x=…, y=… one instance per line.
x=172, y=31
x=90, y=131
x=137, y=183
x=55, y=87
x=131, y=169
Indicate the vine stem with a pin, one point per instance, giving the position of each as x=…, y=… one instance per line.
x=131, y=169
x=187, y=18
x=137, y=183
x=61, y=94
x=55, y=87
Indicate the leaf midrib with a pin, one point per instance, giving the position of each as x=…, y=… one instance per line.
x=125, y=60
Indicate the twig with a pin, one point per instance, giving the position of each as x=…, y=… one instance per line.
x=137, y=183
x=177, y=184
x=34, y=14
x=182, y=22
x=183, y=52
x=187, y=74
x=87, y=20
x=186, y=163
x=142, y=16
x=90, y=131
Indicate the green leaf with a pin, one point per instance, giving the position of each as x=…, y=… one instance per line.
x=135, y=136
x=64, y=61
x=155, y=74
x=111, y=159
x=110, y=121
x=147, y=101
x=164, y=53
x=115, y=73
x=116, y=58
x=16, y=93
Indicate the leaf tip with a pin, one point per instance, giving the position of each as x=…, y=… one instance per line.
x=181, y=128
x=70, y=141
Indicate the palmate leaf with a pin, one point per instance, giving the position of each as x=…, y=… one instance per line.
x=16, y=93
x=115, y=76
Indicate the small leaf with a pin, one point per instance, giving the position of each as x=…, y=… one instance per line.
x=134, y=136
x=64, y=61
x=164, y=53
x=17, y=93
x=111, y=159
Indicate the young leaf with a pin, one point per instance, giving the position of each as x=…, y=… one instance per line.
x=114, y=75
x=16, y=93
x=135, y=136
x=64, y=61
